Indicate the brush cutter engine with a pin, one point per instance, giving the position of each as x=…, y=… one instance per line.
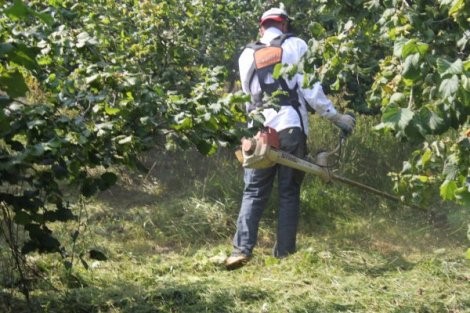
x=262, y=151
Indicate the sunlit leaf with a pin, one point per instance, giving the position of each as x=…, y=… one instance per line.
x=397, y=117
x=456, y=7
x=414, y=47
x=445, y=67
x=82, y=39
x=398, y=47
x=316, y=29
x=449, y=86
x=447, y=190
x=425, y=157
x=411, y=67
x=125, y=139
x=451, y=166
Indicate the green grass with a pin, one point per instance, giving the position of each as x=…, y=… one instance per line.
x=167, y=233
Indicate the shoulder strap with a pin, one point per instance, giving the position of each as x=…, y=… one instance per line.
x=256, y=45
x=277, y=42
x=265, y=58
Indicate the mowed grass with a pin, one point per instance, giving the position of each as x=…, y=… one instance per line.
x=367, y=262
x=167, y=233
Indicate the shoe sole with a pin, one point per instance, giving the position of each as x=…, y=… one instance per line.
x=235, y=264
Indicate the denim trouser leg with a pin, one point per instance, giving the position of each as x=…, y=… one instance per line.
x=289, y=182
x=258, y=185
x=289, y=207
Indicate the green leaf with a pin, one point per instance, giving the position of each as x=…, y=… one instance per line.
x=397, y=118
x=125, y=140
x=411, y=67
x=92, y=78
x=398, y=98
x=449, y=86
x=398, y=47
x=21, y=55
x=462, y=195
x=425, y=157
x=316, y=29
x=435, y=122
x=46, y=18
x=184, y=123
x=13, y=84
x=466, y=65
x=84, y=38
x=456, y=7
x=429, y=122
x=445, y=68
x=451, y=166
x=277, y=70
x=18, y=10
x=422, y=178
x=414, y=47
x=206, y=147
x=447, y=190
x=465, y=82
x=111, y=111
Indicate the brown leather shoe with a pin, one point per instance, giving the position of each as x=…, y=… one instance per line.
x=236, y=260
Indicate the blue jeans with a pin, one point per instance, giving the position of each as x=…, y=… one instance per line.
x=258, y=187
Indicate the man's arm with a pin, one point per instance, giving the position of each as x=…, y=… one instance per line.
x=316, y=98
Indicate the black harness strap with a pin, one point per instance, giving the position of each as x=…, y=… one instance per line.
x=264, y=66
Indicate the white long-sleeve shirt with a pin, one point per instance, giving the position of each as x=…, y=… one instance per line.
x=293, y=49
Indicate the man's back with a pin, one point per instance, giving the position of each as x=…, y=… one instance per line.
x=293, y=50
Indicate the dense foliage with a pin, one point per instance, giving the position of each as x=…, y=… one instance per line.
x=408, y=61
x=88, y=85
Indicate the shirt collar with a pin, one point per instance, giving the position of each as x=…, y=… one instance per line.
x=270, y=34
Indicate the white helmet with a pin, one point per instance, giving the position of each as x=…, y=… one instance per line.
x=275, y=14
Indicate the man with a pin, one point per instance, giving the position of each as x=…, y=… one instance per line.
x=290, y=120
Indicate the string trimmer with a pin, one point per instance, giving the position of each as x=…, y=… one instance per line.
x=263, y=151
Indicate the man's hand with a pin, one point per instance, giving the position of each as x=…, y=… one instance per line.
x=345, y=122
